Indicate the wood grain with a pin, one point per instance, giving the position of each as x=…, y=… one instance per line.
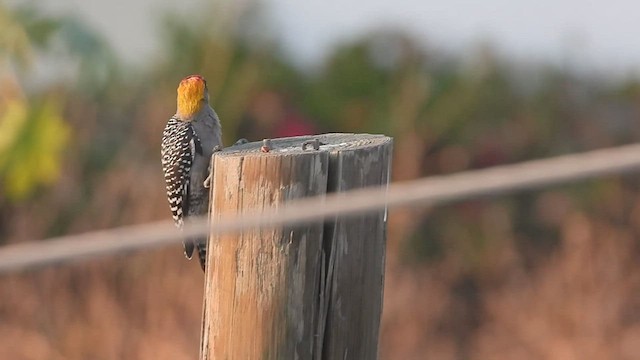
x=297, y=292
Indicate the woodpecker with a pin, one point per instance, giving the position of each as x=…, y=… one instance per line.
x=190, y=138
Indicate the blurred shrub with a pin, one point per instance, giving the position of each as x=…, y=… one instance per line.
x=33, y=132
x=32, y=140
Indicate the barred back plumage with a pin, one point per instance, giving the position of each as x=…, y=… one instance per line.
x=179, y=147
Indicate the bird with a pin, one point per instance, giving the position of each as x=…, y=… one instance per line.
x=189, y=139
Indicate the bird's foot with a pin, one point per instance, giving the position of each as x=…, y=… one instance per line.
x=207, y=181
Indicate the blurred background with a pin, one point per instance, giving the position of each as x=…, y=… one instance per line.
x=86, y=88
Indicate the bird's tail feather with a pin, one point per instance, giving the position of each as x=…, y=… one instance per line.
x=188, y=248
x=201, y=247
x=199, y=244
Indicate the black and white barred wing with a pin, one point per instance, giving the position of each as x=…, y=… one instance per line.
x=179, y=147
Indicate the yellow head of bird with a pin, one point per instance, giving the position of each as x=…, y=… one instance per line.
x=192, y=95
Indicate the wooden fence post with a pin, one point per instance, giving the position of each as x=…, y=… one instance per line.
x=312, y=291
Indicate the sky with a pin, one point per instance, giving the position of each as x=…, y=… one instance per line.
x=598, y=33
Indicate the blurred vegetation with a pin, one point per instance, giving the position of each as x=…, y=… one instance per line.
x=81, y=152
x=33, y=134
x=31, y=145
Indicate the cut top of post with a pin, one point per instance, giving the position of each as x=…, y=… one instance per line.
x=325, y=142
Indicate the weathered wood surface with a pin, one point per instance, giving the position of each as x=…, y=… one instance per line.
x=356, y=248
x=262, y=288
x=297, y=292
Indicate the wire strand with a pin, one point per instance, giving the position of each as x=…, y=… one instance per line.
x=429, y=191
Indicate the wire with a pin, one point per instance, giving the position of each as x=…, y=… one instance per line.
x=426, y=191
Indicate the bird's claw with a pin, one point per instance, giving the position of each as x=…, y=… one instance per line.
x=207, y=181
